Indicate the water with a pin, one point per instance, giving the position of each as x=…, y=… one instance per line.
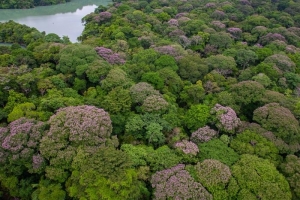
x=61, y=19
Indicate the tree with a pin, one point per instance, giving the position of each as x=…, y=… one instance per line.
x=103, y=173
x=116, y=77
x=258, y=178
x=177, y=183
x=192, y=93
x=291, y=169
x=225, y=65
x=203, y=134
x=214, y=176
x=252, y=143
x=140, y=91
x=70, y=128
x=225, y=118
x=197, y=117
x=247, y=92
x=279, y=120
x=218, y=150
x=74, y=55
x=192, y=68
x=245, y=57
x=19, y=152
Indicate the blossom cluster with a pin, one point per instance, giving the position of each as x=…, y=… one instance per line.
x=226, y=118
x=177, y=183
x=187, y=147
x=102, y=16
x=203, y=134
x=109, y=55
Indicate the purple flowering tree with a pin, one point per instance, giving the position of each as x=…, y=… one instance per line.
x=203, y=134
x=70, y=128
x=187, y=147
x=177, y=183
x=19, y=154
x=19, y=143
x=225, y=118
x=109, y=55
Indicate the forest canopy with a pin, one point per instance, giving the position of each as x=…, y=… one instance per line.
x=159, y=100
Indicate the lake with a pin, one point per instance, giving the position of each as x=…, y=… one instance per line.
x=62, y=19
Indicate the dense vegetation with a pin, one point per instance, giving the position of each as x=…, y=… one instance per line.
x=21, y=4
x=161, y=100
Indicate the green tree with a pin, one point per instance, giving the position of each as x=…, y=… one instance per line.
x=257, y=177
x=197, y=117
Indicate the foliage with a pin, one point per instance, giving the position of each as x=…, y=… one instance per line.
x=251, y=143
x=197, y=117
x=218, y=150
x=258, y=177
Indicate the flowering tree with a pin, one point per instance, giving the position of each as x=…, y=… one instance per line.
x=177, y=183
x=203, y=134
x=70, y=128
x=187, y=147
x=283, y=62
x=109, y=55
x=225, y=118
x=19, y=143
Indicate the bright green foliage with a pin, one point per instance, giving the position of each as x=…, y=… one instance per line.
x=116, y=77
x=154, y=79
x=104, y=173
x=218, y=150
x=48, y=191
x=162, y=158
x=197, y=117
x=251, y=143
x=166, y=61
x=137, y=154
x=117, y=101
x=258, y=177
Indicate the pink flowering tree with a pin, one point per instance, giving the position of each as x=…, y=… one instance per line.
x=109, y=55
x=70, y=128
x=177, y=183
x=20, y=142
x=203, y=134
x=225, y=118
x=140, y=91
x=187, y=150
